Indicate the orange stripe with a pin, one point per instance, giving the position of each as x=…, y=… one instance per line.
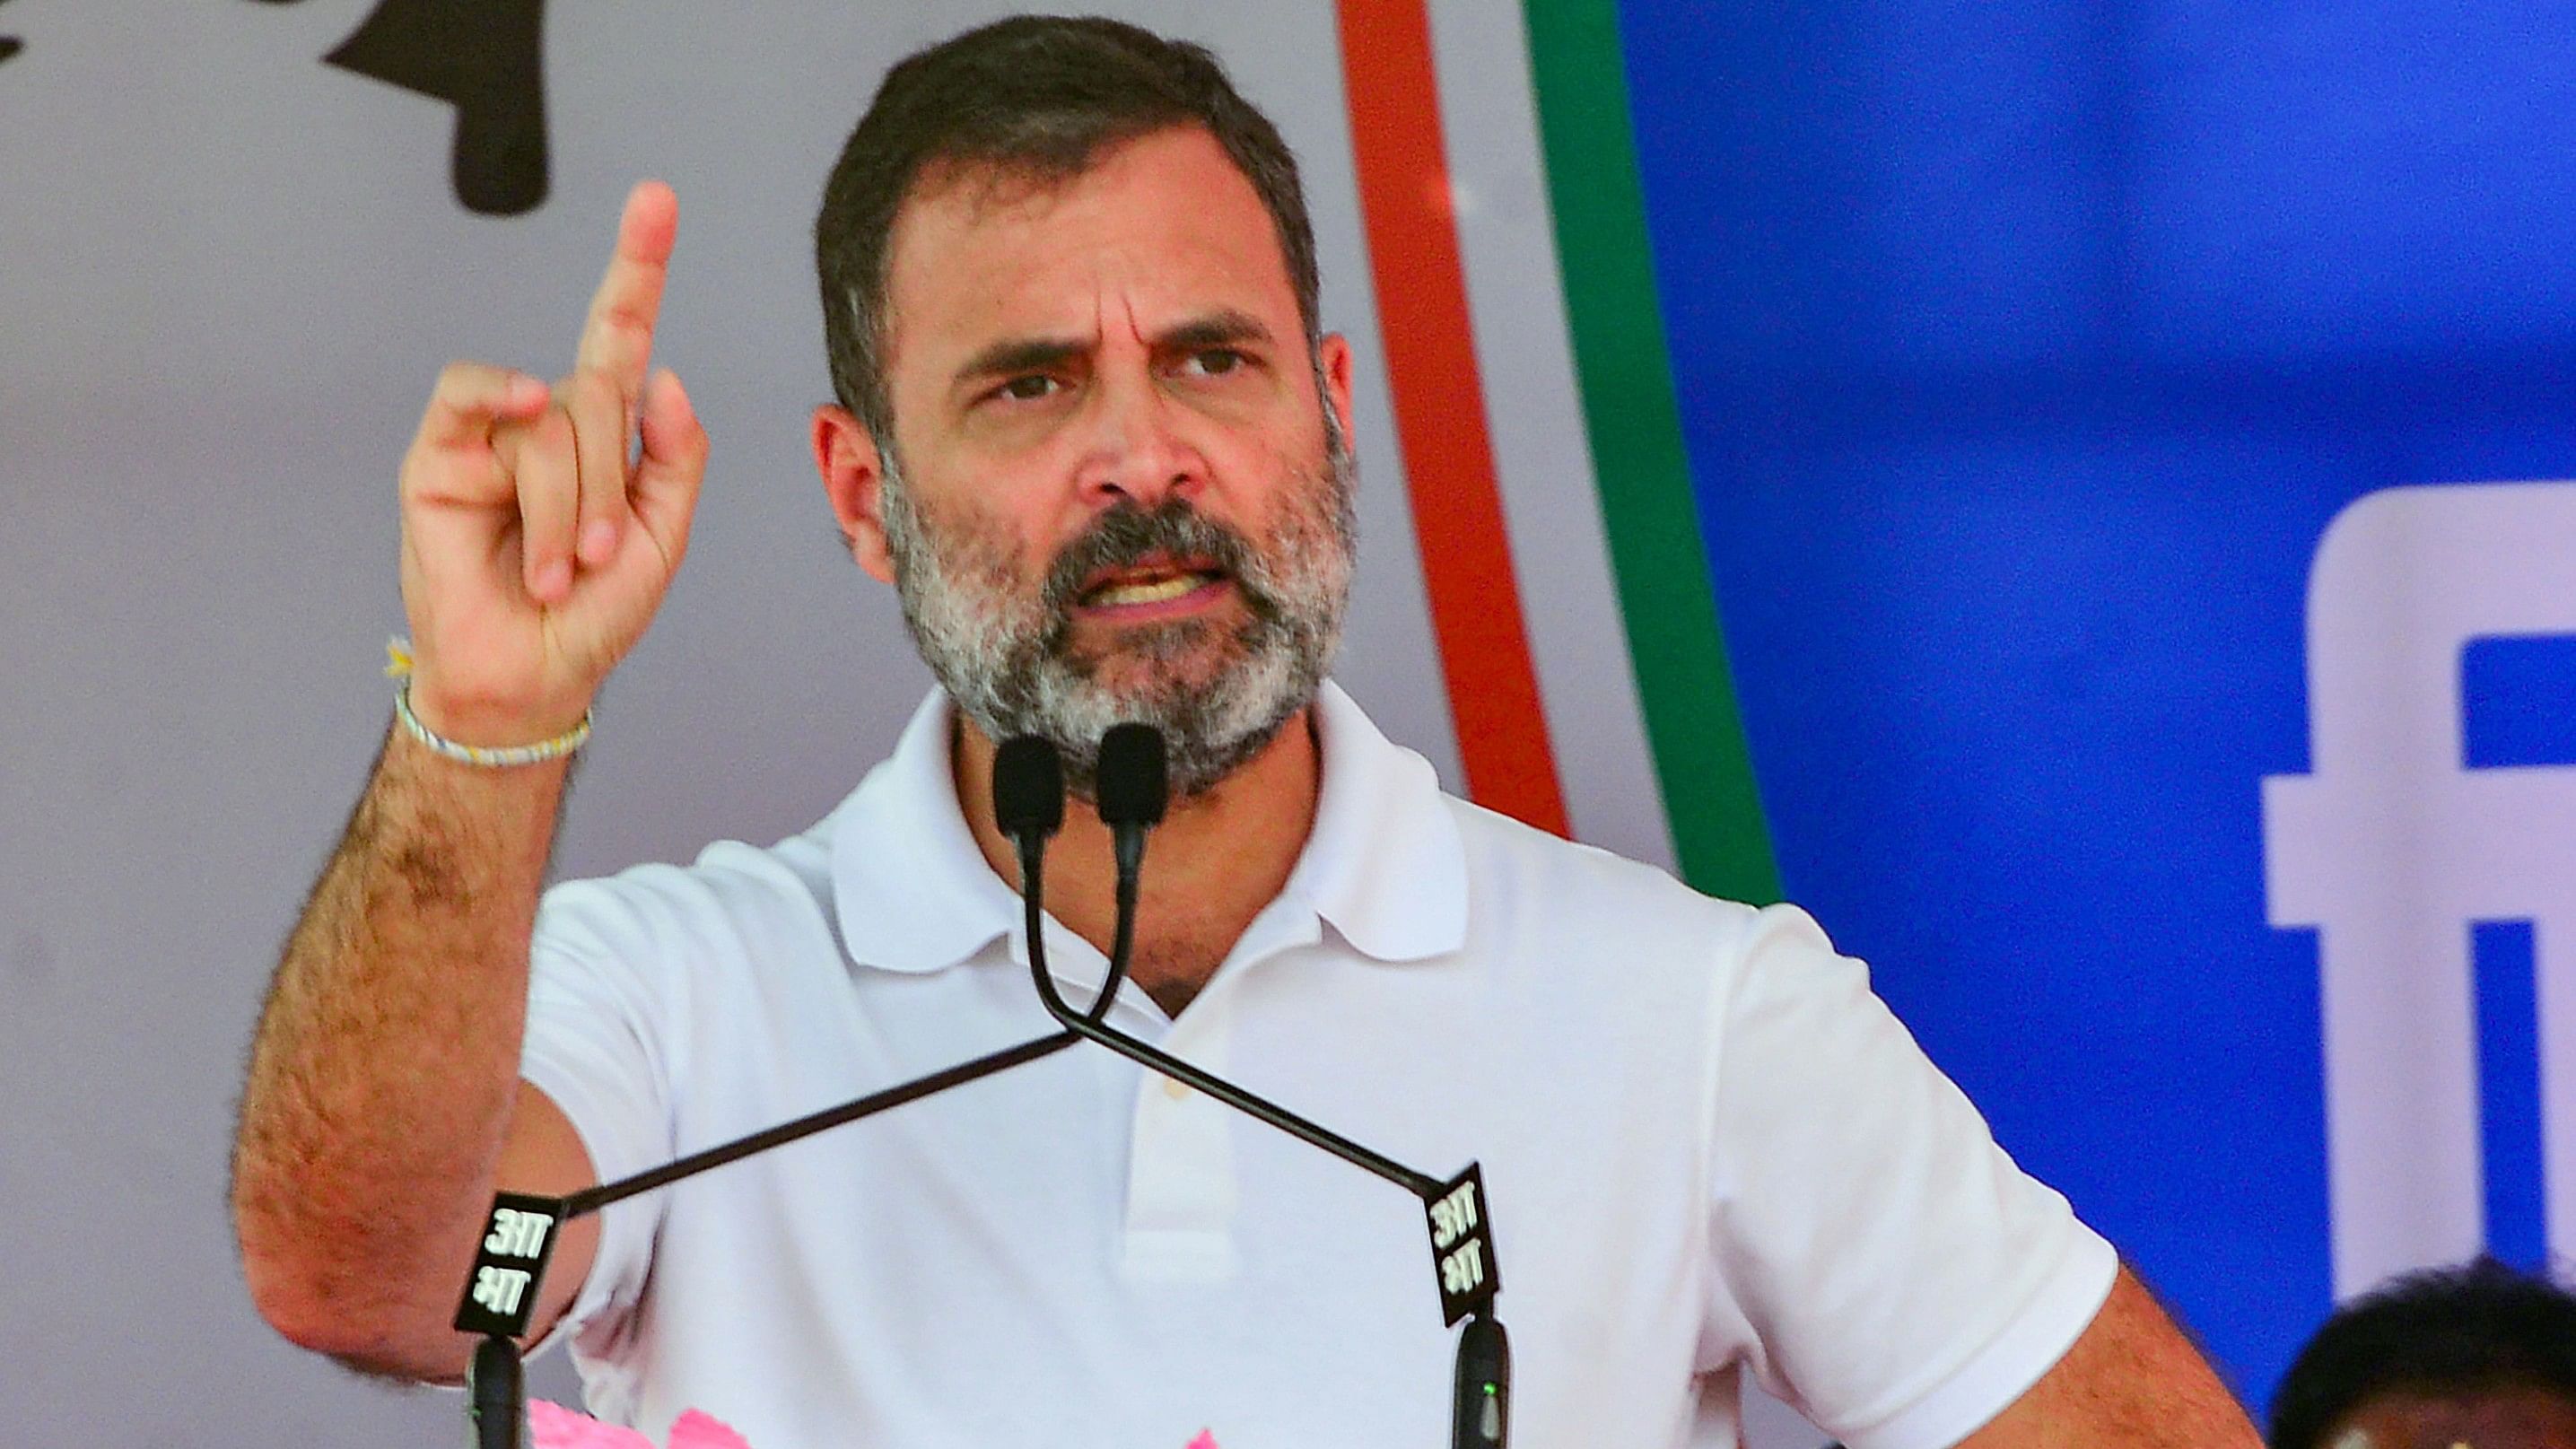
x=1440, y=411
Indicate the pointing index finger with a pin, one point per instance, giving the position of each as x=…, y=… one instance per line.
x=617, y=340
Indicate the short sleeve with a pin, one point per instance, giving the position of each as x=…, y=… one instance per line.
x=604, y=1004
x=1879, y=1262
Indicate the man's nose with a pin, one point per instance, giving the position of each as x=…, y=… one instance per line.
x=1139, y=452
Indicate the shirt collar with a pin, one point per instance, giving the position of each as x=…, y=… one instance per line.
x=910, y=885
x=1384, y=864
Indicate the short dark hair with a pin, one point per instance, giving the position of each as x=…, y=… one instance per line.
x=1040, y=96
x=2444, y=1333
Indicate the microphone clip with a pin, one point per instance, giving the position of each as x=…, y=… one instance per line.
x=510, y=1265
x=1462, y=1246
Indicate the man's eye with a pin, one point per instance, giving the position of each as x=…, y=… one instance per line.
x=1027, y=389
x=1216, y=361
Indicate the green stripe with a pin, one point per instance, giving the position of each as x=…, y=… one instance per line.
x=1626, y=381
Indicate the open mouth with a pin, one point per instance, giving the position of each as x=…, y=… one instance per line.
x=1148, y=581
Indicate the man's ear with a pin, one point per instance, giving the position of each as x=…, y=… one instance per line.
x=1333, y=358
x=854, y=479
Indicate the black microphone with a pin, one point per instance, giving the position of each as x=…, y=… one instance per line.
x=1129, y=790
x=1483, y=1399
x=1028, y=806
x=1028, y=789
x=496, y=1397
x=1129, y=786
x=1028, y=784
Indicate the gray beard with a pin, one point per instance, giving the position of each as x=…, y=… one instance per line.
x=1003, y=649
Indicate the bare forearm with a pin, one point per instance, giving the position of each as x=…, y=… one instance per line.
x=540, y=528
x=2133, y=1380
x=385, y=1067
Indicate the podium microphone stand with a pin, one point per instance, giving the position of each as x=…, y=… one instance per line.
x=501, y=1288
x=1129, y=793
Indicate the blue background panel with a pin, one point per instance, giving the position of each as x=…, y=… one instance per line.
x=2009, y=703
x=2360, y=177
x=1874, y=186
x=2519, y=698
x=2508, y=1012
x=2025, y=352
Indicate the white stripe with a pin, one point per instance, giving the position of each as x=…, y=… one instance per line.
x=1543, y=465
x=1287, y=59
x=1542, y=458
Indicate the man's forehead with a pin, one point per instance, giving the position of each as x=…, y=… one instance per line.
x=2511, y=1416
x=1165, y=221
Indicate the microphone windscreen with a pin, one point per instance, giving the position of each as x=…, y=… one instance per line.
x=1028, y=787
x=1129, y=782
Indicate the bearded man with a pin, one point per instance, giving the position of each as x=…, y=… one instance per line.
x=1091, y=429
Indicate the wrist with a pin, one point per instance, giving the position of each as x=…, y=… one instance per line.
x=482, y=732
x=553, y=748
x=488, y=725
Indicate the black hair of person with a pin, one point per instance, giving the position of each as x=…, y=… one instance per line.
x=1033, y=98
x=2445, y=1333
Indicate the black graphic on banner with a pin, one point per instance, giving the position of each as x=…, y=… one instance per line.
x=9, y=44
x=484, y=57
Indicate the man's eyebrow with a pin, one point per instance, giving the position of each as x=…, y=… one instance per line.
x=1216, y=329
x=1014, y=355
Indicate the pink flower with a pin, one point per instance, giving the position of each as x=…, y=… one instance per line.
x=553, y=1426
x=694, y=1430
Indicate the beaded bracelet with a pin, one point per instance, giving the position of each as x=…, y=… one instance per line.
x=398, y=653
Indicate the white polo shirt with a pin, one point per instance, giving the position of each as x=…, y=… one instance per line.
x=1706, y=1147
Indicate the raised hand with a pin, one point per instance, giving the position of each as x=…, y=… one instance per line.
x=537, y=541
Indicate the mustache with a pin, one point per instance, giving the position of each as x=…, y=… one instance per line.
x=1126, y=534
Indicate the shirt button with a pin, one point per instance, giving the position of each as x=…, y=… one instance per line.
x=1175, y=1088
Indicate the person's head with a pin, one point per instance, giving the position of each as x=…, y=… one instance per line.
x=2478, y=1355
x=1089, y=425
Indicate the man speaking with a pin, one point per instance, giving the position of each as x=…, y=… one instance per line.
x=1092, y=431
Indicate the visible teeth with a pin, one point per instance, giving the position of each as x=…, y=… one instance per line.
x=1116, y=595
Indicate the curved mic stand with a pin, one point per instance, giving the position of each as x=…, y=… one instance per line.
x=1129, y=787
x=501, y=1288
x=1028, y=805
x=510, y=1265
